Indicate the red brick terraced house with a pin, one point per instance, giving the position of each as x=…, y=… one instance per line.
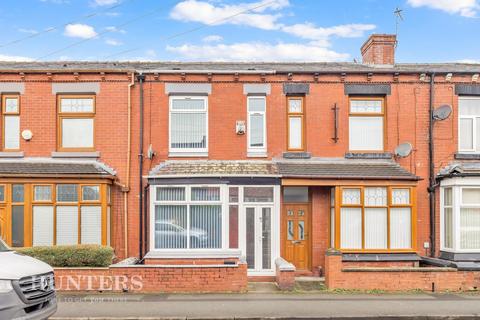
x=280, y=167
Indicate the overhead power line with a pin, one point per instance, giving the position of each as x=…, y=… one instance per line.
x=176, y=35
x=85, y=17
x=74, y=44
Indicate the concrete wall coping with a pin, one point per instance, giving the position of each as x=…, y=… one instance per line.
x=80, y=268
x=284, y=265
x=175, y=266
x=398, y=269
x=196, y=254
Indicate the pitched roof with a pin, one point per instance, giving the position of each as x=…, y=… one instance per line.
x=201, y=168
x=52, y=168
x=314, y=168
x=278, y=67
x=344, y=169
x=460, y=169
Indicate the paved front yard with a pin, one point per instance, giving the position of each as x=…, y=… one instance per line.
x=267, y=305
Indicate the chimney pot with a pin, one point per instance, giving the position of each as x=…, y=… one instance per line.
x=379, y=49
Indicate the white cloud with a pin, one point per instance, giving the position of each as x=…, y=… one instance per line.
x=208, y=13
x=115, y=29
x=258, y=52
x=105, y=2
x=113, y=42
x=30, y=31
x=212, y=38
x=4, y=57
x=466, y=8
x=79, y=30
x=321, y=34
x=469, y=61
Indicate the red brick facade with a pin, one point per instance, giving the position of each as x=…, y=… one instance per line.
x=406, y=120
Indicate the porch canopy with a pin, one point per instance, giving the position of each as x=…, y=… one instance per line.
x=331, y=172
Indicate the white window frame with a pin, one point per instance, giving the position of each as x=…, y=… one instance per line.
x=223, y=201
x=457, y=185
x=253, y=150
x=187, y=151
x=474, y=126
x=372, y=115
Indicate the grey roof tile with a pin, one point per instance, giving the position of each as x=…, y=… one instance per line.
x=344, y=169
x=214, y=168
x=280, y=67
x=459, y=168
x=53, y=168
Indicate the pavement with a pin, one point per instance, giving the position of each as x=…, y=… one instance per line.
x=268, y=306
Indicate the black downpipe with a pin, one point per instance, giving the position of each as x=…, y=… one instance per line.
x=141, y=79
x=431, y=187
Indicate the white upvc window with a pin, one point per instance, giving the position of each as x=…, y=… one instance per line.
x=257, y=125
x=188, y=123
x=366, y=124
x=469, y=124
x=460, y=217
x=189, y=217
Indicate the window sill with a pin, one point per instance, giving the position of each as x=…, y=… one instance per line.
x=257, y=154
x=194, y=253
x=94, y=154
x=467, y=156
x=368, y=155
x=297, y=155
x=12, y=154
x=187, y=154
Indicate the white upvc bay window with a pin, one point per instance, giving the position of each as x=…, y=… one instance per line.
x=188, y=123
x=460, y=216
x=469, y=124
x=257, y=125
x=189, y=217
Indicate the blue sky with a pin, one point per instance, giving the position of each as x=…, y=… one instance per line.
x=242, y=30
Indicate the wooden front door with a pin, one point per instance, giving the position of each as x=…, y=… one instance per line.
x=296, y=230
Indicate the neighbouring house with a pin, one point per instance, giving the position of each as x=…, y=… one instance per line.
x=289, y=167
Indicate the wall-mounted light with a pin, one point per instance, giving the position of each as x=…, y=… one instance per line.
x=448, y=77
x=423, y=77
x=475, y=77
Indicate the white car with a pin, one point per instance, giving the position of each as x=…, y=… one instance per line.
x=27, y=286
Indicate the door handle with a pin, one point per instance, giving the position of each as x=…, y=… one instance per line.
x=296, y=241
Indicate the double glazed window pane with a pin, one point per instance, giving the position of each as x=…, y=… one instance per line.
x=2, y=193
x=67, y=225
x=188, y=104
x=366, y=133
x=171, y=227
x=366, y=106
x=188, y=130
x=258, y=194
x=351, y=228
x=205, y=226
x=295, y=132
x=42, y=193
x=77, y=105
x=375, y=197
x=43, y=225
x=12, y=132
x=67, y=193
x=469, y=124
x=18, y=193
x=11, y=105
x=77, y=133
x=171, y=194
x=205, y=194
x=400, y=228
x=90, y=193
x=257, y=130
x=376, y=228
x=471, y=196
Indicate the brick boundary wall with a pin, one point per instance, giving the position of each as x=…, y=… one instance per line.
x=400, y=278
x=284, y=274
x=154, y=278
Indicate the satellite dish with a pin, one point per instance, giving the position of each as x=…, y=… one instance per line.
x=403, y=150
x=442, y=112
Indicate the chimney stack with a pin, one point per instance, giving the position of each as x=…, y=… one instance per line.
x=379, y=49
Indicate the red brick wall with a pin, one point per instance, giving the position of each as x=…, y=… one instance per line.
x=154, y=279
x=397, y=278
x=406, y=120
